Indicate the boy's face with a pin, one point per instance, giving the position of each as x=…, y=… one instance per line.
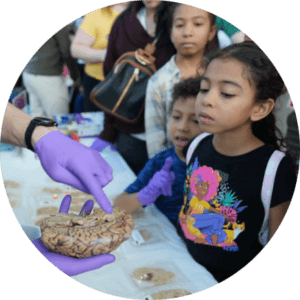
x=183, y=124
x=191, y=30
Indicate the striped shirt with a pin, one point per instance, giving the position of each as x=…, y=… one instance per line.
x=157, y=108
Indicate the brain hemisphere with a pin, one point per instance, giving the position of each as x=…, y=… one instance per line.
x=85, y=236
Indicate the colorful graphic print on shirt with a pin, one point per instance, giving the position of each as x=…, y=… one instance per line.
x=210, y=212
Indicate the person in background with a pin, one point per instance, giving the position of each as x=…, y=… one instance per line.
x=90, y=45
x=228, y=34
x=136, y=27
x=75, y=27
x=120, y=7
x=192, y=31
x=43, y=76
x=162, y=179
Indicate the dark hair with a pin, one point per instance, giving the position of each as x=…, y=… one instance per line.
x=137, y=4
x=264, y=77
x=160, y=14
x=160, y=18
x=212, y=45
x=184, y=89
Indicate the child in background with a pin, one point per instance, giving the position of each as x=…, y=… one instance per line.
x=227, y=168
x=162, y=179
x=192, y=31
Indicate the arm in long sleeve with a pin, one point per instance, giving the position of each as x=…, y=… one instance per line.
x=112, y=55
x=109, y=132
x=155, y=120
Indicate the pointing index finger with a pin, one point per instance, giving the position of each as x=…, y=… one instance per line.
x=92, y=184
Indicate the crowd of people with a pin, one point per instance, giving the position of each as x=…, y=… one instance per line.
x=210, y=78
x=95, y=43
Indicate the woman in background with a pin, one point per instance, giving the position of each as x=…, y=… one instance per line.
x=43, y=76
x=135, y=28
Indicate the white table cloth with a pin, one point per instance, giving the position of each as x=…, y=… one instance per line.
x=23, y=167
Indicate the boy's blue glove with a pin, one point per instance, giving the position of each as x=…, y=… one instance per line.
x=160, y=184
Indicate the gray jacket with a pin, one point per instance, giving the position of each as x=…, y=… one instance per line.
x=49, y=59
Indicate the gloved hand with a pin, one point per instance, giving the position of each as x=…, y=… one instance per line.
x=72, y=163
x=100, y=145
x=70, y=265
x=160, y=184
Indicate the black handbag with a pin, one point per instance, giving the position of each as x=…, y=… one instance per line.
x=122, y=93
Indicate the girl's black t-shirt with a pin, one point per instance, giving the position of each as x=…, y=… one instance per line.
x=232, y=187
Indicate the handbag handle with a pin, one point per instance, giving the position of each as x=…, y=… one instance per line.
x=150, y=48
x=158, y=37
x=143, y=56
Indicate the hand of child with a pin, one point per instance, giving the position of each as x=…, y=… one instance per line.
x=160, y=184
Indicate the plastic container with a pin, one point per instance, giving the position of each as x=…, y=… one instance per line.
x=149, y=275
x=146, y=235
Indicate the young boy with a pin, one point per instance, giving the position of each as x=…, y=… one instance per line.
x=162, y=179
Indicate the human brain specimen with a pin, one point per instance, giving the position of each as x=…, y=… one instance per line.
x=86, y=235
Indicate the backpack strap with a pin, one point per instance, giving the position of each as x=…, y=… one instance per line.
x=267, y=190
x=193, y=146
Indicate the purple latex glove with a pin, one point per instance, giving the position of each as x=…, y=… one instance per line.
x=160, y=184
x=100, y=145
x=72, y=163
x=70, y=265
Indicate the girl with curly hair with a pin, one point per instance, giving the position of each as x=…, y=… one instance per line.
x=235, y=106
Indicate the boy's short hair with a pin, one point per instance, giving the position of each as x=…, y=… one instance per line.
x=184, y=89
